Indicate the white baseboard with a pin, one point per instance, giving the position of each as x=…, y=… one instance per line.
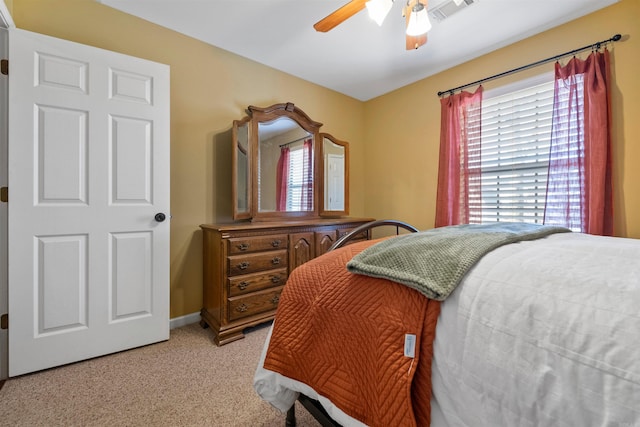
x=185, y=320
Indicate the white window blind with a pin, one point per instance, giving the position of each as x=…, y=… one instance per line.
x=296, y=179
x=514, y=155
x=514, y=151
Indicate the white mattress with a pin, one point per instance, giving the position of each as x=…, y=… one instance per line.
x=539, y=333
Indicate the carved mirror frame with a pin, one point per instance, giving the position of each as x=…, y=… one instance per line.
x=248, y=128
x=269, y=114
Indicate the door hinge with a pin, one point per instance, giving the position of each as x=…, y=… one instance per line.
x=4, y=67
x=4, y=194
x=4, y=321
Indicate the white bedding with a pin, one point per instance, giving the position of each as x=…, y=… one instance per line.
x=539, y=333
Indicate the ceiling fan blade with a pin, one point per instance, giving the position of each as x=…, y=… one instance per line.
x=340, y=15
x=413, y=42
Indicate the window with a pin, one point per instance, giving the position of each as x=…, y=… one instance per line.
x=514, y=152
x=527, y=143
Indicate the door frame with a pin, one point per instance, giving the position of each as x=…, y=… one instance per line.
x=6, y=22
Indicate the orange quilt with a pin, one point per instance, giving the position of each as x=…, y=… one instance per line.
x=343, y=334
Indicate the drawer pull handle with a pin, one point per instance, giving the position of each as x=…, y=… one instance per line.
x=243, y=285
x=275, y=279
x=275, y=300
x=243, y=265
x=275, y=261
x=243, y=246
x=242, y=308
x=276, y=243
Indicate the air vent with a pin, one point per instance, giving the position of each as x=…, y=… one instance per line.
x=448, y=8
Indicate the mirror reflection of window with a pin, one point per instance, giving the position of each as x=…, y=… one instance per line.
x=299, y=184
x=285, y=167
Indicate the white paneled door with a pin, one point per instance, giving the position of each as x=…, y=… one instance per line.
x=335, y=179
x=89, y=202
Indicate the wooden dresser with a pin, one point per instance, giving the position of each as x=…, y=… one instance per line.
x=247, y=264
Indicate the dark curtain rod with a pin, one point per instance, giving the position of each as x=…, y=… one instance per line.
x=597, y=45
x=295, y=140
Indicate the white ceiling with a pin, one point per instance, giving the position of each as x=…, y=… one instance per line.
x=357, y=58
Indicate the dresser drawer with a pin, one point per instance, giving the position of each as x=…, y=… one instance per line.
x=254, y=303
x=251, y=263
x=239, y=285
x=241, y=245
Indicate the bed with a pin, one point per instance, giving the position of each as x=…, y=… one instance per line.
x=541, y=331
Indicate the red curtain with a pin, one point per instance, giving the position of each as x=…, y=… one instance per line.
x=307, y=174
x=457, y=177
x=282, y=179
x=579, y=186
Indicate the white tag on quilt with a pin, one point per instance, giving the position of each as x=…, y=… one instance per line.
x=410, y=345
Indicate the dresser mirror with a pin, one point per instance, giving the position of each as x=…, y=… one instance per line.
x=279, y=164
x=241, y=175
x=335, y=177
x=286, y=148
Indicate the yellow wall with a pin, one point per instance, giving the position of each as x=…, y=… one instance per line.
x=402, y=145
x=394, y=139
x=210, y=88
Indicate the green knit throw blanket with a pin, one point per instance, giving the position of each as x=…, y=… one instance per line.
x=434, y=261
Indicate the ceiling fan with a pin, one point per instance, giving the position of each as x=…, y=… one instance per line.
x=414, y=12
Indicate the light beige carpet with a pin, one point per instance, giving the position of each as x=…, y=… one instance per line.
x=185, y=381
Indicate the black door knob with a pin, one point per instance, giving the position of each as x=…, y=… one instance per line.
x=160, y=217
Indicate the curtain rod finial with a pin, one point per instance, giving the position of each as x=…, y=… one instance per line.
x=616, y=37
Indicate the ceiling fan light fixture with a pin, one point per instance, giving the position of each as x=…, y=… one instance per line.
x=418, y=21
x=379, y=9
